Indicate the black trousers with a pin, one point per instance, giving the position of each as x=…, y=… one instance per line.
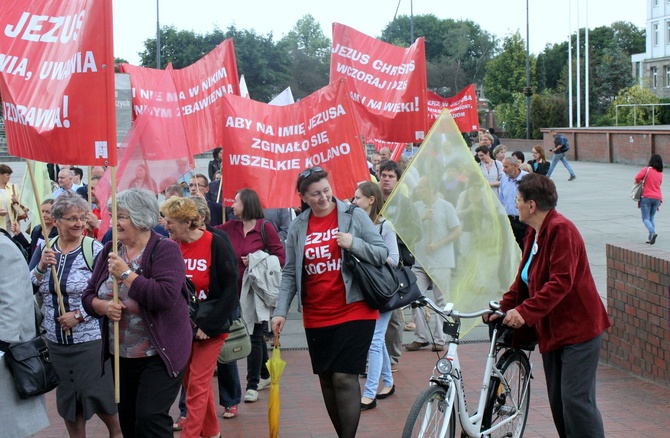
x=518, y=229
x=147, y=393
x=570, y=372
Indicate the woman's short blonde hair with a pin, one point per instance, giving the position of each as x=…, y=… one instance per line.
x=182, y=209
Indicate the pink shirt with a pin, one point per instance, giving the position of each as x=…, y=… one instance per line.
x=652, y=185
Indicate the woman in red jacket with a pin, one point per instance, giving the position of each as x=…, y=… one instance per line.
x=651, y=195
x=555, y=295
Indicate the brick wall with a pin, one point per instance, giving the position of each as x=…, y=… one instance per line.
x=638, y=277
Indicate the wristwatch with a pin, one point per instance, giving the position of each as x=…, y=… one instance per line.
x=78, y=316
x=125, y=274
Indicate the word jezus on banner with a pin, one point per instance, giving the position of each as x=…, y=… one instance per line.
x=388, y=84
x=57, y=80
x=267, y=146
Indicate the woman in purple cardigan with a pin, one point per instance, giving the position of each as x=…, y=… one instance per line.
x=554, y=296
x=155, y=330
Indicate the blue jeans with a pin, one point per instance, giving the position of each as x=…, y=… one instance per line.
x=379, y=363
x=554, y=162
x=648, y=207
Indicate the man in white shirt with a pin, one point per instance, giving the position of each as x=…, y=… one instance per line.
x=65, y=183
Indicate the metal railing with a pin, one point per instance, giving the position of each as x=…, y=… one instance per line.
x=635, y=105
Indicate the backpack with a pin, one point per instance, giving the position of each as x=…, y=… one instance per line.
x=406, y=258
x=564, y=142
x=86, y=247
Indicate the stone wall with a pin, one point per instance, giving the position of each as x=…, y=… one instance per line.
x=638, y=304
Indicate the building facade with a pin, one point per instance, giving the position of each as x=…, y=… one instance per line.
x=652, y=68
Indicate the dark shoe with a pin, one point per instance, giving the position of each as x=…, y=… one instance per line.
x=572, y=178
x=368, y=406
x=438, y=347
x=383, y=395
x=414, y=346
x=653, y=239
x=394, y=367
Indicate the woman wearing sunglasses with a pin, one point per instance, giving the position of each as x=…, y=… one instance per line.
x=338, y=324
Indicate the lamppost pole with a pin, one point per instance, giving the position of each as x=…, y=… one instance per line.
x=158, y=38
x=528, y=93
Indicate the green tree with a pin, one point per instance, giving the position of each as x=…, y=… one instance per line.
x=264, y=64
x=506, y=74
x=547, y=109
x=309, y=55
x=638, y=115
x=511, y=116
x=180, y=47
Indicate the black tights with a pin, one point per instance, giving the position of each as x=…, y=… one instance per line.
x=342, y=395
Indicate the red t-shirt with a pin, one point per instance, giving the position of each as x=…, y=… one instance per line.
x=325, y=300
x=198, y=259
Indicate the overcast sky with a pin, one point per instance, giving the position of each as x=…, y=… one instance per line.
x=135, y=20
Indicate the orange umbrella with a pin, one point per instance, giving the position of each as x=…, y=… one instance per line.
x=276, y=367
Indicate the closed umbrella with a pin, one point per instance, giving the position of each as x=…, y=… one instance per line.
x=276, y=367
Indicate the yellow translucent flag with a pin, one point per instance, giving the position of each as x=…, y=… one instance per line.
x=453, y=223
x=28, y=196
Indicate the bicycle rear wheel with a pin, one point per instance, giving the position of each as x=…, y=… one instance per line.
x=507, y=400
x=429, y=415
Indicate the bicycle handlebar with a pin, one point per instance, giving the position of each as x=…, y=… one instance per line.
x=494, y=308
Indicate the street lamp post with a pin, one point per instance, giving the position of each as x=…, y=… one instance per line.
x=158, y=39
x=527, y=90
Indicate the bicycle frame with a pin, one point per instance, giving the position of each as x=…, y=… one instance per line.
x=454, y=384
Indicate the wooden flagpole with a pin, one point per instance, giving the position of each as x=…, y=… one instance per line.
x=117, y=386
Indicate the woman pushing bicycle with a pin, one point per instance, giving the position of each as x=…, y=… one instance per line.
x=554, y=293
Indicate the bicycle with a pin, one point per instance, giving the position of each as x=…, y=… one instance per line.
x=504, y=401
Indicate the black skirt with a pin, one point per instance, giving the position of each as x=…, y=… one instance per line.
x=341, y=348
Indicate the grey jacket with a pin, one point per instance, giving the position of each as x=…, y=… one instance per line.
x=367, y=245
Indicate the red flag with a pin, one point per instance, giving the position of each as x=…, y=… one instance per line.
x=57, y=80
x=388, y=84
x=199, y=88
x=267, y=146
x=155, y=152
x=463, y=108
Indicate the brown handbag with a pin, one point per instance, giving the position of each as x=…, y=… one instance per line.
x=20, y=211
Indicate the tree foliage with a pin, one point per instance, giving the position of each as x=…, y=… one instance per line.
x=309, y=54
x=506, y=74
x=547, y=109
x=457, y=51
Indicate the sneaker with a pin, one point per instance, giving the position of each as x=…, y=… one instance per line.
x=179, y=424
x=264, y=383
x=653, y=239
x=572, y=178
x=394, y=367
x=414, y=346
x=250, y=396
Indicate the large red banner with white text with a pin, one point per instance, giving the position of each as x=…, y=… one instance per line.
x=388, y=84
x=268, y=146
x=57, y=80
x=199, y=89
x=463, y=108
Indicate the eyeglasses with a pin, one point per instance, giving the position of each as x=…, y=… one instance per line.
x=120, y=217
x=309, y=172
x=74, y=219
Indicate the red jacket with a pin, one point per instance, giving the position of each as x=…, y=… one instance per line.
x=561, y=301
x=652, y=185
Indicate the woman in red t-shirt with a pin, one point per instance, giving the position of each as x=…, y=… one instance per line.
x=652, y=197
x=211, y=265
x=338, y=324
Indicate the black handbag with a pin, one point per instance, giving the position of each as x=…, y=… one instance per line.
x=30, y=364
x=407, y=293
x=378, y=283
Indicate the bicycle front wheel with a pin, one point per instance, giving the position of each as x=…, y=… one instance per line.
x=429, y=415
x=510, y=397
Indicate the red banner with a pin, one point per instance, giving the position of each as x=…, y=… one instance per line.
x=155, y=152
x=57, y=80
x=200, y=87
x=463, y=108
x=267, y=146
x=388, y=84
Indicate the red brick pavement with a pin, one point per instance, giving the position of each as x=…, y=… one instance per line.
x=630, y=407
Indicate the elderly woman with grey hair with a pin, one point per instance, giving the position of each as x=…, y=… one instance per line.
x=73, y=336
x=155, y=331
